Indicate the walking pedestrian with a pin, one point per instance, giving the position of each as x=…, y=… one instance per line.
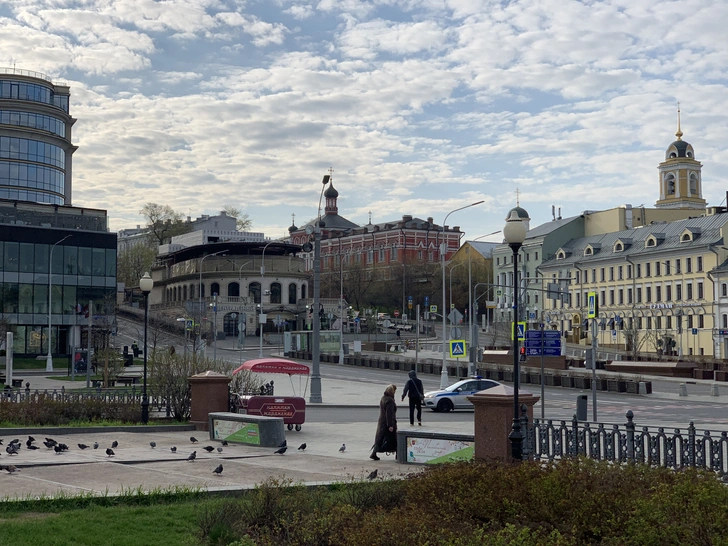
x=385, y=440
x=413, y=388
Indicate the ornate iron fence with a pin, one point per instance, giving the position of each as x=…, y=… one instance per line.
x=680, y=448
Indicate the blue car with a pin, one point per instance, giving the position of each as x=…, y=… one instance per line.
x=456, y=396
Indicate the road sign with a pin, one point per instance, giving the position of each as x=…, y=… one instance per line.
x=456, y=333
x=189, y=324
x=521, y=330
x=457, y=348
x=695, y=331
x=614, y=334
x=455, y=316
x=593, y=305
x=396, y=313
x=547, y=334
x=547, y=351
x=532, y=315
x=433, y=308
x=427, y=301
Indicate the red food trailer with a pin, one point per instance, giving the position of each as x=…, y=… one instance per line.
x=291, y=408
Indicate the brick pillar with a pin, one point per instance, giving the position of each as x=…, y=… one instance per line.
x=209, y=394
x=494, y=420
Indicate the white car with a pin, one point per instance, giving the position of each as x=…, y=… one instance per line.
x=456, y=396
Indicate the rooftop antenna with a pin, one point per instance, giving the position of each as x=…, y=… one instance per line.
x=559, y=213
x=679, y=133
x=553, y=212
x=370, y=217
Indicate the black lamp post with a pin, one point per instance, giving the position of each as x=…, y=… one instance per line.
x=514, y=233
x=145, y=283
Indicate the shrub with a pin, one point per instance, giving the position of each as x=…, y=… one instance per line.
x=43, y=410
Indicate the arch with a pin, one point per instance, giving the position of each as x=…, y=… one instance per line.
x=254, y=291
x=233, y=290
x=184, y=293
x=215, y=289
x=275, y=292
x=303, y=291
x=725, y=321
x=192, y=291
x=202, y=291
x=693, y=184
x=230, y=324
x=293, y=292
x=685, y=238
x=724, y=289
x=669, y=184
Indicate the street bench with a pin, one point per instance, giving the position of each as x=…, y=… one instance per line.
x=127, y=378
x=257, y=430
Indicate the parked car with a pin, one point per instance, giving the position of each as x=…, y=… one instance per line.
x=456, y=396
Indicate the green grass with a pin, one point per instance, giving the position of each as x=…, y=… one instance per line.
x=59, y=363
x=134, y=520
x=79, y=423
x=79, y=377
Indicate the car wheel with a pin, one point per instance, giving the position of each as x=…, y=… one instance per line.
x=445, y=405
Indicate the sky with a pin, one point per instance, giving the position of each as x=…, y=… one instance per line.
x=420, y=107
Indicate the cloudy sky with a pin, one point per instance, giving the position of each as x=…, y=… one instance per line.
x=419, y=106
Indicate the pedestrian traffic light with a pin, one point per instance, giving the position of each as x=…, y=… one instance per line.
x=523, y=354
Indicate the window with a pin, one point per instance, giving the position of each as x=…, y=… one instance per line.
x=649, y=323
x=395, y=254
x=700, y=290
x=381, y=256
x=603, y=297
x=611, y=297
x=639, y=295
x=699, y=263
x=629, y=295
x=535, y=298
x=701, y=321
x=629, y=271
x=620, y=273
x=578, y=299
x=688, y=265
x=639, y=270
x=669, y=322
x=667, y=267
x=497, y=261
x=233, y=290
x=658, y=293
x=536, y=257
x=648, y=269
x=254, y=291
x=577, y=276
x=528, y=257
x=214, y=289
x=648, y=294
x=621, y=296
x=303, y=291
x=668, y=293
x=639, y=323
x=292, y=293
x=657, y=269
x=275, y=292
x=689, y=288
x=725, y=321
x=370, y=256
x=594, y=275
x=678, y=292
x=658, y=322
x=690, y=321
x=611, y=273
x=724, y=289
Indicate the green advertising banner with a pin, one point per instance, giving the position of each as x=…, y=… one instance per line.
x=236, y=431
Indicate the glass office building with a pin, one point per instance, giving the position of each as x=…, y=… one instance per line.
x=35, y=138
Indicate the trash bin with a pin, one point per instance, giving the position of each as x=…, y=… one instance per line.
x=581, y=405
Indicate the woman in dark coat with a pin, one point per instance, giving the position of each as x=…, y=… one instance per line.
x=387, y=423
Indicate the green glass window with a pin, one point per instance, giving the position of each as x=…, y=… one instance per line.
x=40, y=299
x=2, y=259
x=10, y=297
x=11, y=256
x=99, y=258
x=25, y=298
x=41, y=258
x=58, y=260
x=69, y=300
x=70, y=260
x=111, y=262
x=26, y=258
x=84, y=260
x=57, y=299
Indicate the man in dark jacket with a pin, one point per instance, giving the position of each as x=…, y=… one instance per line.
x=416, y=393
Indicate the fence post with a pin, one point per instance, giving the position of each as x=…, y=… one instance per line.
x=574, y=447
x=527, y=434
x=691, y=444
x=630, y=436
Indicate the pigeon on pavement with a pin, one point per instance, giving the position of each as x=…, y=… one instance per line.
x=110, y=451
x=372, y=474
x=302, y=447
x=209, y=449
x=192, y=456
x=218, y=470
x=224, y=442
x=63, y=447
x=342, y=448
x=280, y=451
x=49, y=445
x=96, y=445
x=114, y=444
x=33, y=447
x=50, y=441
x=12, y=449
x=193, y=439
x=173, y=449
x=82, y=446
x=10, y=468
x=58, y=449
x=284, y=443
x=153, y=444
x=219, y=449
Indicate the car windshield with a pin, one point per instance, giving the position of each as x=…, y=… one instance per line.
x=454, y=387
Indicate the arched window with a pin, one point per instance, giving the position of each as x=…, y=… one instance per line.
x=230, y=324
x=303, y=291
x=214, y=289
x=724, y=289
x=254, y=291
x=725, y=321
x=184, y=293
x=233, y=290
x=275, y=292
x=670, y=184
x=292, y=292
x=202, y=290
x=693, y=184
x=192, y=291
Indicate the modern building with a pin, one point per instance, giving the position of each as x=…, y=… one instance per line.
x=403, y=252
x=36, y=151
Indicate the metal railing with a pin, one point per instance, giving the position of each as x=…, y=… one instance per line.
x=680, y=448
x=21, y=72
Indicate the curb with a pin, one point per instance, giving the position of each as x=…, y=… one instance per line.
x=60, y=431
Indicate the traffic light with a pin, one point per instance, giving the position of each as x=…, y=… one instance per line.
x=523, y=354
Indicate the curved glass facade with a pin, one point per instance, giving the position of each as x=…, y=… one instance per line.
x=32, y=150
x=35, y=196
x=31, y=176
x=34, y=121
x=21, y=90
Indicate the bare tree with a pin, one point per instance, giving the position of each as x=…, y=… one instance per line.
x=243, y=221
x=133, y=262
x=163, y=222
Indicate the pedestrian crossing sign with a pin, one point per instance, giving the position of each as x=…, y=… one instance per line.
x=521, y=326
x=593, y=305
x=457, y=348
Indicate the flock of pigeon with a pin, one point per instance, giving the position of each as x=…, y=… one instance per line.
x=13, y=448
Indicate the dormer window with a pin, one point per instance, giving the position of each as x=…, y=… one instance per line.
x=560, y=255
x=685, y=238
x=650, y=242
x=588, y=251
x=619, y=247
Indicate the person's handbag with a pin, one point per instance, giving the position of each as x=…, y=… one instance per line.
x=389, y=442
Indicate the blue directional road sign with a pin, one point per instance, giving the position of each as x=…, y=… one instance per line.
x=551, y=342
x=547, y=351
x=457, y=348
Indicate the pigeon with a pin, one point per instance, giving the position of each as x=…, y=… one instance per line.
x=280, y=451
x=209, y=449
x=12, y=449
x=173, y=449
x=192, y=456
x=218, y=470
x=372, y=474
x=50, y=441
x=153, y=444
x=32, y=447
x=63, y=447
x=49, y=445
x=31, y=439
x=342, y=448
x=224, y=442
x=110, y=451
x=15, y=441
x=114, y=444
x=1, y=441
x=193, y=439
x=219, y=450
x=302, y=447
x=284, y=443
x=58, y=449
x=82, y=446
x=10, y=468
x=96, y=445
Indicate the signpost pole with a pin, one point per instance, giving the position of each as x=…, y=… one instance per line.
x=417, y=337
x=543, y=395
x=594, y=369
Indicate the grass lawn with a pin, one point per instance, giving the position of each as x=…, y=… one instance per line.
x=79, y=377
x=161, y=524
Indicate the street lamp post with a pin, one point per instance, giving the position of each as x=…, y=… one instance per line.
x=315, y=396
x=199, y=289
x=49, y=357
x=145, y=283
x=262, y=314
x=514, y=233
x=443, y=252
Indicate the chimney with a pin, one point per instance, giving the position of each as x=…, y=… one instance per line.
x=429, y=220
x=553, y=212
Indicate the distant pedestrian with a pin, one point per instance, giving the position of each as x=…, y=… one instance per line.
x=385, y=440
x=413, y=388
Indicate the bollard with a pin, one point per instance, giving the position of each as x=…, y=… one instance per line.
x=714, y=390
x=642, y=388
x=683, y=389
x=581, y=407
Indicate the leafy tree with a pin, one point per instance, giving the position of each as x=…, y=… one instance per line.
x=133, y=262
x=244, y=223
x=163, y=222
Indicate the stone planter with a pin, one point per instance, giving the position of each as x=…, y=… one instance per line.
x=566, y=381
x=397, y=365
x=386, y=364
x=508, y=376
x=699, y=373
x=721, y=375
x=601, y=384
x=581, y=382
x=648, y=386
x=616, y=385
x=632, y=387
x=552, y=380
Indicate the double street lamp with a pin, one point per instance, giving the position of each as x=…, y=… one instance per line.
x=514, y=233
x=199, y=289
x=443, y=252
x=49, y=357
x=145, y=284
